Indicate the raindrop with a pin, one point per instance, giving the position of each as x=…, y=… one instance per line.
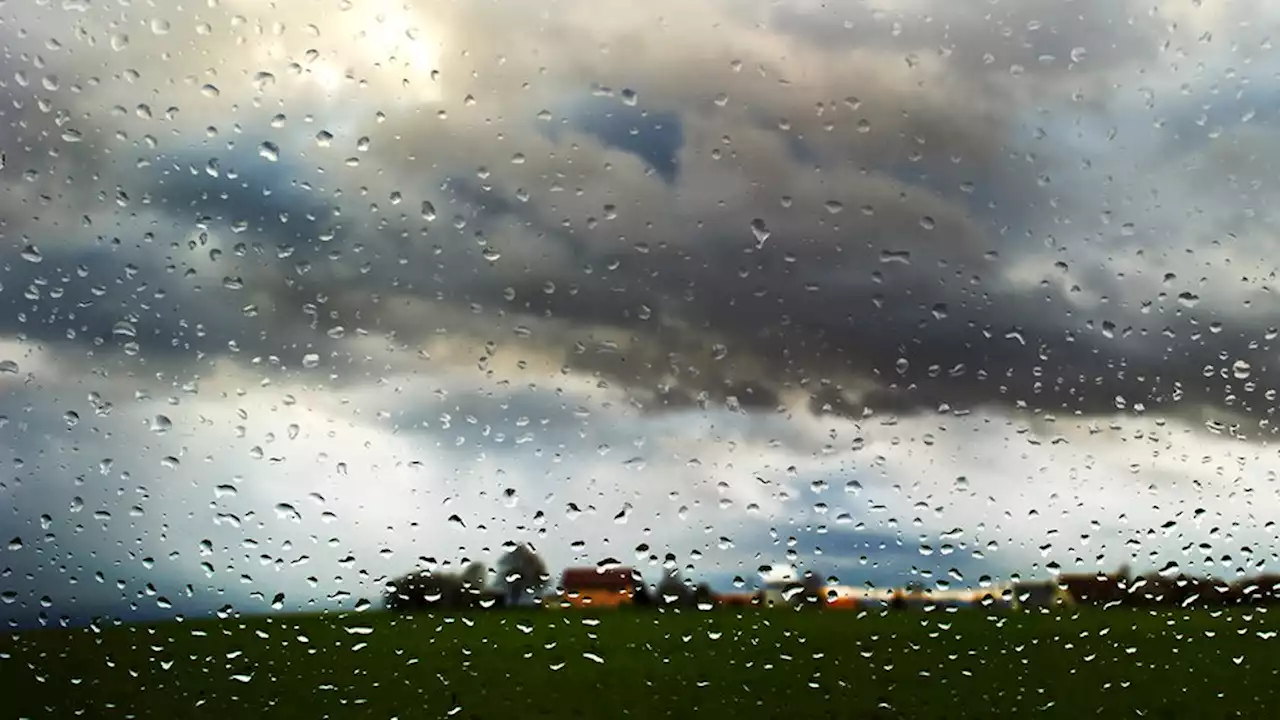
x=760, y=231
x=161, y=424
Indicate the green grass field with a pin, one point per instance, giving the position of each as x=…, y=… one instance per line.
x=767, y=663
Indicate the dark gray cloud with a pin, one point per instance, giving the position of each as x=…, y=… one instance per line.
x=861, y=232
x=729, y=211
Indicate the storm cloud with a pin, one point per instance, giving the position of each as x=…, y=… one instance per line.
x=798, y=214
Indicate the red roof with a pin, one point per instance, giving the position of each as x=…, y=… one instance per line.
x=589, y=578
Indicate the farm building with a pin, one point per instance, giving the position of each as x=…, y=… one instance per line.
x=598, y=587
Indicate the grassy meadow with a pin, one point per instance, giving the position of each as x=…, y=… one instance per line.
x=581, y=664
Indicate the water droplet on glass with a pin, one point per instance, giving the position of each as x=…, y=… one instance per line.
x=760, y=231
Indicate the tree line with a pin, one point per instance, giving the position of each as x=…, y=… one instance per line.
x=521, y=579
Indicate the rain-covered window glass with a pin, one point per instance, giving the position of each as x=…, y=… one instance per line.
x=409, y=358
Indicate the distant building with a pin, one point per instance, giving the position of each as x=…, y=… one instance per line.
x=598, y=587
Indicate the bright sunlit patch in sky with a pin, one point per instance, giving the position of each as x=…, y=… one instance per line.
x=384, y=43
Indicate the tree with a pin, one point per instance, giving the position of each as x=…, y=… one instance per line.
x=524, y=574
x=640, y=595
x=808, y=589
x=475, y=576
x=673, y=590
x=421, y=589
x=704, y=596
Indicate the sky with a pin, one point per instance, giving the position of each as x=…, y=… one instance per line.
x=298, y=297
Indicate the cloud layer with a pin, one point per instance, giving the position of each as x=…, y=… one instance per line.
x=747, y=234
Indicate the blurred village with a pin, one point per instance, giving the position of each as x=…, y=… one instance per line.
x=521, y=580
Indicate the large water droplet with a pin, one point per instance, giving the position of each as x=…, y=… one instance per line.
x=761, y=232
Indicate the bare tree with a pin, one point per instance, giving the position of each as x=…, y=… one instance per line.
x=474, y=576
x=524, y=574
